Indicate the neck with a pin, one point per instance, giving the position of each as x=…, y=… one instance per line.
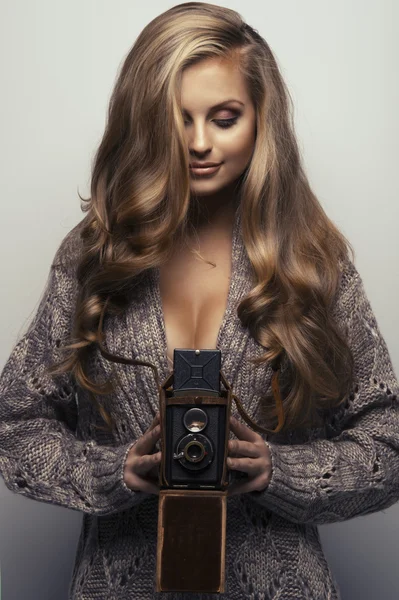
x=215, y=211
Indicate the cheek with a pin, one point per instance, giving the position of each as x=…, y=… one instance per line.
x=239, y=149
x=241, y=140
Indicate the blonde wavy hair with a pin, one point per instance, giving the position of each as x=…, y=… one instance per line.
x=140, y=202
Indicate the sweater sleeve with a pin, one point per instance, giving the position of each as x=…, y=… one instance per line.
x=40, y=454
x=356, y=472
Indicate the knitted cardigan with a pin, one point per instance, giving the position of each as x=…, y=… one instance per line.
x=51, y=451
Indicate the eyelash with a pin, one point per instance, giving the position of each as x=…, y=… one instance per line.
x=225, y=123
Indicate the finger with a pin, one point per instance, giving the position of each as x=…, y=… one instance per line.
x=144, y=464
x=155, y=422
x=252, y=466
x=241, y=448
x=154, y=472
x=242, y=431
x=147, y=486
x=147, y=441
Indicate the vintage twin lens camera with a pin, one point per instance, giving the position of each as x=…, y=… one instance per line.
x=193, y=477
x=196, y=418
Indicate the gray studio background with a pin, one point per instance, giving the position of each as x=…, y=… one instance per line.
x=58, y=66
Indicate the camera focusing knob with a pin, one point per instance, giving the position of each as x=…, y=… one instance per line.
x=178, y=456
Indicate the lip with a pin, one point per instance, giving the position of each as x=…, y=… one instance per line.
x=205, y=170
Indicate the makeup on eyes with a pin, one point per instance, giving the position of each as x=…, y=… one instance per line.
x=223, y=109
x=228, y=121
x=225, y=123
x=216, y=107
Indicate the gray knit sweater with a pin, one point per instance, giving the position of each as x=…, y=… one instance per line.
x=350, y=467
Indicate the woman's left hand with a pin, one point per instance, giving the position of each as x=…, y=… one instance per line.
x=250, y=454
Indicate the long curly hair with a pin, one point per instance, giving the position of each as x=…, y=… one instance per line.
x=140, y=206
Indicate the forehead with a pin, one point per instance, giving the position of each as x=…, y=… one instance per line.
x=210, y=82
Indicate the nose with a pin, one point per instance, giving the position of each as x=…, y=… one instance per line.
x=199, y=141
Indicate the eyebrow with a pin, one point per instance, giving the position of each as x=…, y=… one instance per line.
x=220, y=104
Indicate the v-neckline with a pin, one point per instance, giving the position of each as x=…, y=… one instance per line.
x=143, y=335
x=232, y=296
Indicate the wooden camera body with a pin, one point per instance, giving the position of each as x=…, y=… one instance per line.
x=193, y=480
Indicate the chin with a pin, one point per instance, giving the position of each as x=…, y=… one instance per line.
x=208, y=187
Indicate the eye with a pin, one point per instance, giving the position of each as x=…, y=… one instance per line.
x=224, y=123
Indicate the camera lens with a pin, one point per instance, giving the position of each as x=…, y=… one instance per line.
x=194, y=451
x=195, y=419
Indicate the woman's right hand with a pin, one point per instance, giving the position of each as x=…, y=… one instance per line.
x=139, y=462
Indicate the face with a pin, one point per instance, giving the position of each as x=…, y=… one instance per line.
x=223, y=134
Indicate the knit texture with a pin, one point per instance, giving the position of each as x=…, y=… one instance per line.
x=50, y=450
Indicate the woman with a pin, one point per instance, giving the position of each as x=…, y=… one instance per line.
x=132, y=279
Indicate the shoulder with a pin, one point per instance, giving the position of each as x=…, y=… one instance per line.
x=70, y=249
x=349, y=275
x=350, y=282
x=62, y=279
x=349, y=295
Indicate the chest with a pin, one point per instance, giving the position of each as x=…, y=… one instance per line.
x=184, y=303
x=194, y=295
